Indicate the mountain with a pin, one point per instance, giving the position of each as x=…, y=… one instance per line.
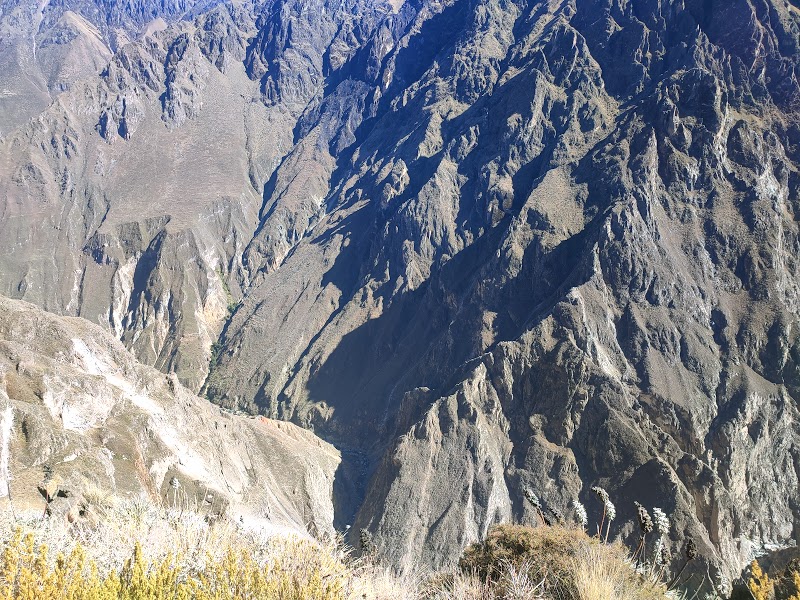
x=479, y=246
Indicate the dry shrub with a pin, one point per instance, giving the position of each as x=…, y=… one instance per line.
x=782, y=586
x=295, y=569
x=761, y=586
x=789, y=583
x=547, y=552
x=569, y=564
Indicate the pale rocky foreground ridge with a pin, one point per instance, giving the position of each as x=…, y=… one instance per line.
x=87, y=417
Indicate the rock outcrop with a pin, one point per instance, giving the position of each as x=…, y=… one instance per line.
x=478, y=245
x=87, y=416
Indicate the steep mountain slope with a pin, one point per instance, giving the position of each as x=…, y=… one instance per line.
x=86, y=416
x=84, y=177
x=543, y=264
x=479, y=245
x=48, y=45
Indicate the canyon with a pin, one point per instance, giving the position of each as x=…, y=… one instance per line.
x=464, y=248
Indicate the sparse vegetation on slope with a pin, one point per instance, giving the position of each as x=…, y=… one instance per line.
x=132, y=550
x=136, y=549
x=139, y=551
x=294, y=569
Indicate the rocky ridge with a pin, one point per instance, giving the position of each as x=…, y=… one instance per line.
x=87, y=417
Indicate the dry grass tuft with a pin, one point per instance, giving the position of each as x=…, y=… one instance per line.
x=457, y=586
x=603, y=572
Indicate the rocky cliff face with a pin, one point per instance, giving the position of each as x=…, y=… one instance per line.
x=87, y=416
x=479, y=245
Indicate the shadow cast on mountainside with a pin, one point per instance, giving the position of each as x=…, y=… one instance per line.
x=422, y=337
x=429, y=336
